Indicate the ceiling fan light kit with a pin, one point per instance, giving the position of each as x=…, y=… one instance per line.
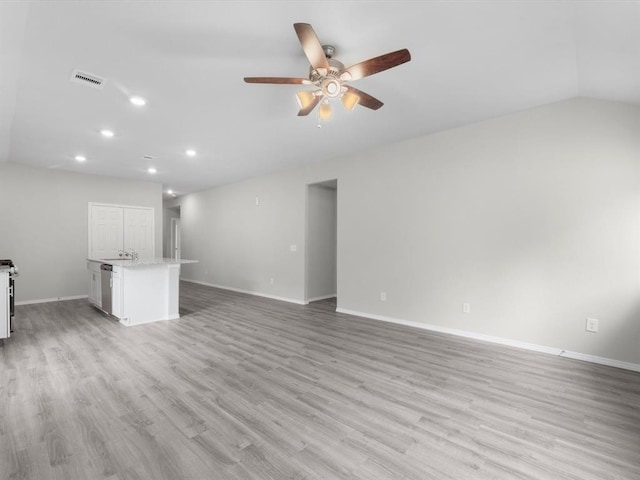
x=330, y=77
x=305, y=98
x=349, y=100
x=324, y=112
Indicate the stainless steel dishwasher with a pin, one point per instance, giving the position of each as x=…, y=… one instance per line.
x=106, y=286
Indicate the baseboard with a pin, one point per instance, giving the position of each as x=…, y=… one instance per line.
x=127, y=323
x=323, y=297
x=47, y=300
x=248, y=292
x=499, y=340
x=601, y=360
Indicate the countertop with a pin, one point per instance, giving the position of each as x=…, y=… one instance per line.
x=141, y=262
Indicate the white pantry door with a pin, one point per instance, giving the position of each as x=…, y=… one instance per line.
x=138, y=231
x=106, y=231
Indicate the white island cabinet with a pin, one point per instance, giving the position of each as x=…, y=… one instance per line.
x=138, y=291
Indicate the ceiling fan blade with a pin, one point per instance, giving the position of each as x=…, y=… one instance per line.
x=375, y=65
x=278, y=80
x=311, y=45
x=366, y=100
x=308, y=109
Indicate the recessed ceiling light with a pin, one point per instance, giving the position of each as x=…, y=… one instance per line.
x=151, y=170
x=138, y=101
x=106, y=133
x=170, y=192
x=191, y=153
x=80, y=158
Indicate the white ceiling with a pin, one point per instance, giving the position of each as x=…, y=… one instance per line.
x=470, y=61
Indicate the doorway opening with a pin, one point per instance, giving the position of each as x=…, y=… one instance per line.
x=322, y=241
x=172, y=233
x=175, y=238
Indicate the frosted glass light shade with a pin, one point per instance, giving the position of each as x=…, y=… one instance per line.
x=324, y=113
x=350, y=100
x=305, y=98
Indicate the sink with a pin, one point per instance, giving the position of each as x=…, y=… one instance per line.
x=112, y=259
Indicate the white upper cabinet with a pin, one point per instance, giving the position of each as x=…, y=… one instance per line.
x=114, y=229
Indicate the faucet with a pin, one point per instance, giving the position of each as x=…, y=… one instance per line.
x=134, y=255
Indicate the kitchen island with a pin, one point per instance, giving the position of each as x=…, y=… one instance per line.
x=136, y=291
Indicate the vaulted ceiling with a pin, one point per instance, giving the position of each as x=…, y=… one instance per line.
x=471, y=60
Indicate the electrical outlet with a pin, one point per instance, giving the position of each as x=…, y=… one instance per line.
x=293, y=248
x=591, y=325
x=383, y=296
x=271, y=281
x=257, y=201
x=466, y=308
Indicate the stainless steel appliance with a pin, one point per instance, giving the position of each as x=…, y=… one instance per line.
x=106, y=286
x=13, y=273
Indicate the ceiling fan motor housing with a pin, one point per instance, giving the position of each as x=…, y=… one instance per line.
x=335, y=67
x=329, y=81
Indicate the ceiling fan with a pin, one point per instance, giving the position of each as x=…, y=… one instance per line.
x=330, y=78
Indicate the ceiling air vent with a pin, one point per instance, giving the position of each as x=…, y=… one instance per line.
x=88, y=79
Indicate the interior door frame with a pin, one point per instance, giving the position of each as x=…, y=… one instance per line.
x=335, y=185
x=175, y=225
x=101, y=204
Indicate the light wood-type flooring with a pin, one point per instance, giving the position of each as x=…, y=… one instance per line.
x=244, y=387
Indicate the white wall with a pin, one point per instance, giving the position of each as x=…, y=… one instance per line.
x=43, y=224
x=532, y=218
x=321, y=242
x=243, y=245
